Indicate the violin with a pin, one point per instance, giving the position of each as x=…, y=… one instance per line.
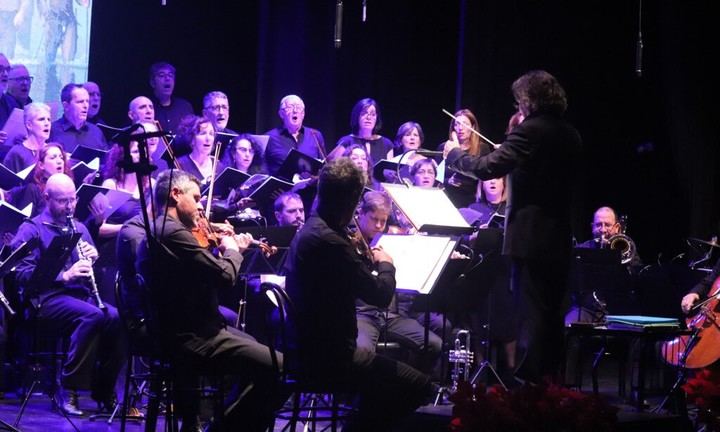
x=360, y=244
x=210, y=237
x=203, y=232
x=702, y=347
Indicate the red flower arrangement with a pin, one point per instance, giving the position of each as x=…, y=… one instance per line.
x=703, y=390
x=546, y=407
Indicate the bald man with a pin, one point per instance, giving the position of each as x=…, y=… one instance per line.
x=141, y=109
x=97, y=348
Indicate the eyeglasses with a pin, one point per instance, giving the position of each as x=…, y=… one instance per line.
x=27, y=79
x=217, y=108
x=294, y=107
x=5, y=69
x=65, y=201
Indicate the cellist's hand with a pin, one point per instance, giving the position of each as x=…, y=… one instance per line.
x=688, y=301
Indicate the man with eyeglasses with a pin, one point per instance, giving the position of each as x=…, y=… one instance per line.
x=216, y=107
x=7, y=102
x=97, y=347
x=169, y=109
x=19, y=84
x=292, y=135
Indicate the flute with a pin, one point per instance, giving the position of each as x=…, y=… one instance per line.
x=93, y=285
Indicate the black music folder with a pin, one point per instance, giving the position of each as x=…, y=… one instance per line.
x=10, y=179
x=11, y=217
x=266, y=191
x=16, y=256
x=86, y=171
x=87, y=192
x=298, y=162
x=87, y=154
x=229, y=179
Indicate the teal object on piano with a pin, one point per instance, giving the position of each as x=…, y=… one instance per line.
x=641, y=321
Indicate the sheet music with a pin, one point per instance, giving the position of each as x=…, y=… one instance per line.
x=15, y=125
x=425, y=206
x=418, y=259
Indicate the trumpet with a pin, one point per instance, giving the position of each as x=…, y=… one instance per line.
x=93, y=285
x=462, y=358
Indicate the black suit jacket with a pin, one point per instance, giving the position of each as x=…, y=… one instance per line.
x=541, y=156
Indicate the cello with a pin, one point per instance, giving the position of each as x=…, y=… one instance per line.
x=702, y=347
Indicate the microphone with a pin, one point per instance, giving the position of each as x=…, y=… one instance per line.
x=428, y=153
x=338, y=23
x=638, y=56
x=639, y=44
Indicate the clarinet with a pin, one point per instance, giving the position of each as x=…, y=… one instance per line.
x=93, y=286
x=5, y=302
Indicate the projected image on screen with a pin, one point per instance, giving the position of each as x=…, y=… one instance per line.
x=51, y=38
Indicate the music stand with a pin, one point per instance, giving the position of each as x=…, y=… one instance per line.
x=15, y=257
x=6, y=267
x=423, y=265
x=49, y=264
x=488, y=244
x=593, y=271
x=52, y=260
x=256, y=263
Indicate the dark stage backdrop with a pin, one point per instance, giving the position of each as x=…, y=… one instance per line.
x=651, y=141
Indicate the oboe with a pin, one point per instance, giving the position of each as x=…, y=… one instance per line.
x=93, y=286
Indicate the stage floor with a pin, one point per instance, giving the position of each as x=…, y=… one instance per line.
x=39, y=417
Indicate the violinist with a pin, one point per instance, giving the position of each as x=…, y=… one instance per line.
x=394, y=322
x=325, y=276
x=188, y=279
